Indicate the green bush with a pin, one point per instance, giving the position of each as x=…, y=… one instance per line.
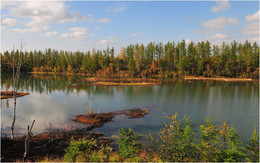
x=234, y=152
x=210, y=143
x=77, y=150
x=179, y=142
x=253, y=147
x=128, y=147
x=101, y=155
x=175, y=142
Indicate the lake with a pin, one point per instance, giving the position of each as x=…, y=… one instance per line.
x=53, y=103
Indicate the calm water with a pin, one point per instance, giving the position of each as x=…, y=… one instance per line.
x=53, y=103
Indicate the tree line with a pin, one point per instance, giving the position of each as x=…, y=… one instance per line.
x=151, y=60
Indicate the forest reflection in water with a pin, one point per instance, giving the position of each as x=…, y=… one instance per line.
x=53, y=100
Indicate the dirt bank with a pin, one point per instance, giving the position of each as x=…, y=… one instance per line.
x=50, y=145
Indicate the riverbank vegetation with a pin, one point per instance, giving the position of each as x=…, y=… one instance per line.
x=153, y=60
x=178, y=141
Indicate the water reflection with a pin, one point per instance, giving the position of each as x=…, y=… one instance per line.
x=53, y=100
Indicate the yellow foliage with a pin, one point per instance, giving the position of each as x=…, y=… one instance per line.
x=69, y=68
x=81, y=158
x=122, y=55
x=156, y=158
x=114, y=157
x=224, y=127
x=90, y=111
x=189, y=160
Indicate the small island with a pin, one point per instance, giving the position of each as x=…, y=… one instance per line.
x=99, y=119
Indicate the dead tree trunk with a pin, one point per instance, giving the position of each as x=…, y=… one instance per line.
x=27, y=143
x=14, y=117
x=16, y=76
x=27, y=140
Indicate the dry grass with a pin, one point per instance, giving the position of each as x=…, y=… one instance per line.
x=218, y=79
x=124, y=84
x=63, y=73
x=94, y=79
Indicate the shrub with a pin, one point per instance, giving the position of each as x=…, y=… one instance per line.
x=77, y=150
x=253, y=147
x=234, y=152
x=114, y=157
x=210, y=144
x=176, y=142
x=128, y=147
x=101, y=155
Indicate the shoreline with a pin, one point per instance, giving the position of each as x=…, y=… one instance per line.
x=110, y=81
x=221, y=79
x=48, y=144
x=56, y=142
x=123, y=84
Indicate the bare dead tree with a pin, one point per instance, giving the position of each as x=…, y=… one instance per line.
x=16, y=75
x=27, y=140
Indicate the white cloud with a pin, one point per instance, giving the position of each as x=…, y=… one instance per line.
x=219, y=36
x=78, y=33
x=135, y=34
x=253, y=39
x=77, y=17
x=221, y=6
x=41, y=12
x=49, y=34
x=97, y=28
x=31, y=29
x=112, y=38
x=254, y=17
x=117, y=8
x=5, y=4
x=251, y=29
x=107, y=41
x=9, y=22
x=218, y=24
x=187, y=41
x=104, y=20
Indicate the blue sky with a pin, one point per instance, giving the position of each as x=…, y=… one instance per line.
x=84, y=25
